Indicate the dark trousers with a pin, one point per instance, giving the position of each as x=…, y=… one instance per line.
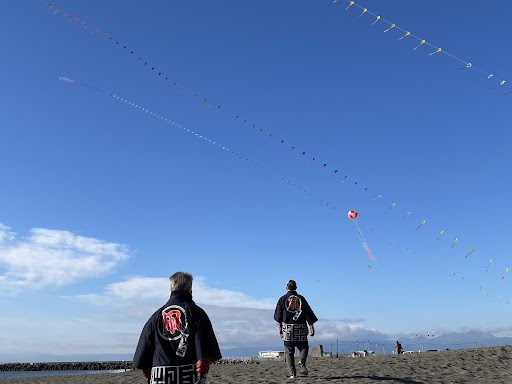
x=290, y=358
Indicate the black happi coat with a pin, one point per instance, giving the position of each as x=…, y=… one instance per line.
x=163, y=331
x=285, y=314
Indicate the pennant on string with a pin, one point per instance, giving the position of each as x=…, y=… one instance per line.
x=407, y=33
x=436, y=51
x=420, y=44
x=470, y=252
x=391, y=26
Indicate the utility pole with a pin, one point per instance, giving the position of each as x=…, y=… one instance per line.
x=336, y=348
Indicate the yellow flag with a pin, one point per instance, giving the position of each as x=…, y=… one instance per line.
x=390, y=27
x=421, y=43
x=406, y=34
x=436, y=51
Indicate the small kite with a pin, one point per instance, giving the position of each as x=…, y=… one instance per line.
x=505, y=274
x=488, y=265
x=440, y=234
x=422, y=223
x=406, y=214
x=468, y=65
x=390, y=27
x=406, y=34
x=352, y=214
x=436, y=51
x=470, y=252
x=377, y=19
x=350, y=4
x=454, y=242
x=420, y=44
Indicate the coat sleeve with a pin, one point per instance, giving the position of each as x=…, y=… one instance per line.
x=143, y=358
x=206, y=343
x=278, y=313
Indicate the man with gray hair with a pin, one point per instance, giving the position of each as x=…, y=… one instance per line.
x=293, y=314
x=177, y=344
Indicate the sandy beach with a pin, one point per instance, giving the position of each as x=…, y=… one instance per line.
x=478, y=365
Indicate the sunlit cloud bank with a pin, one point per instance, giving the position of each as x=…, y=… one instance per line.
x=238, y=319
x=49, y=257
x=156, y=290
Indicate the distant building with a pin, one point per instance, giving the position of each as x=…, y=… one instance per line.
x=271, y=355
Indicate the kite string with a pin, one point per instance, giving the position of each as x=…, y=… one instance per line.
x=191, y=132
x=423, y=41
x=117, y=43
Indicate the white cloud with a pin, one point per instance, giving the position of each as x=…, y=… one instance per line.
x=53, y=258
x=139, y=288
x=156, y=289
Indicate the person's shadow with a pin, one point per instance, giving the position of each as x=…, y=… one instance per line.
x=375, y=378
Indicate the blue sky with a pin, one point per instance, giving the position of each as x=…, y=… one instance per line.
x=101, y=200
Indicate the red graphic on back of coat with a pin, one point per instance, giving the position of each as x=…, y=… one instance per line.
x=293, y=304
x=174, y=322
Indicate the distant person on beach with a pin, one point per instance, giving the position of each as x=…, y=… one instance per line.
x=398, y=348
x=177, y=344
x=293, y=314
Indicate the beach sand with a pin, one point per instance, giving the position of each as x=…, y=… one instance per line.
x=478, y=365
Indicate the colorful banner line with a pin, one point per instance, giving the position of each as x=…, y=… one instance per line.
x=421, y=42
x=363, y=241
x=191, y=132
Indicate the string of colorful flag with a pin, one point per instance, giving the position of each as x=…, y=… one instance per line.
x=191, y=132
x=421, y=42
x=282, y=142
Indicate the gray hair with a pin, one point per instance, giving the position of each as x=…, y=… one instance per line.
x=181, y=281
